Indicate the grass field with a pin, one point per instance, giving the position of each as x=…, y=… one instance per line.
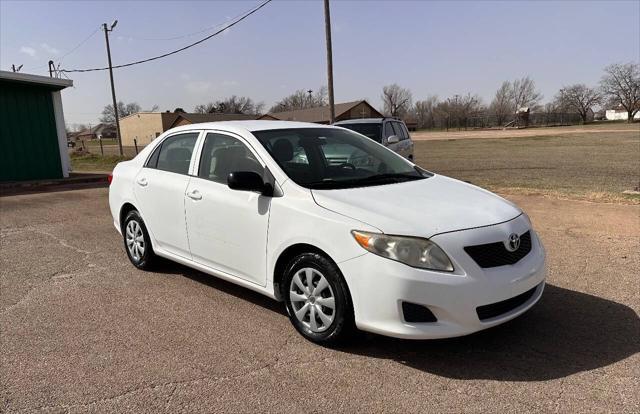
x=576, y=165
x=94, y=162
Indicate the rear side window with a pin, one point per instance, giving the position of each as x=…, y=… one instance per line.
x=174, y=154
x=369, y=130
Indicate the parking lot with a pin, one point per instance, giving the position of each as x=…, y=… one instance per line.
x=82, y=330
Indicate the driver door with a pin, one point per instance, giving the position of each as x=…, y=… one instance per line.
x=227, y=229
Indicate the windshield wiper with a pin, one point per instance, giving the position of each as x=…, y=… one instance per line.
x=388, y=178
x=394, y=177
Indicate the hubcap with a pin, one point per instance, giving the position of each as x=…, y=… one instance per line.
x=312, y=299
x=135, y=240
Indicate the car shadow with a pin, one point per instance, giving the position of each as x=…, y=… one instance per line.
x=168, y=267
x=565, y=333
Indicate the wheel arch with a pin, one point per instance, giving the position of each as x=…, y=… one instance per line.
x=124, y=210
x=288, y=254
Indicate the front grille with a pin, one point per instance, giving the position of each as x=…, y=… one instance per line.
x=495, y=254
x=500, y=308
x=414, y=313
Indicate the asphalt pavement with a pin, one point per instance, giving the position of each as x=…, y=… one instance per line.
x=81, y=330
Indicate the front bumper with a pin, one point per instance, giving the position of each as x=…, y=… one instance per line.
x=378, y=286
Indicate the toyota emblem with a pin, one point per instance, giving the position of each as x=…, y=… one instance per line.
x=513, y=243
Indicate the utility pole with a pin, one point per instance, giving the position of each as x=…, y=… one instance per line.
x=113, y=89
x=327, y=27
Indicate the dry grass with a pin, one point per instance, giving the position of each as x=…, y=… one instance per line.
x=596, y=167
x=95, y=162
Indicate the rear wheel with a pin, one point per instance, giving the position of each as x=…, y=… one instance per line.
x=137, y=242
x=317, y=299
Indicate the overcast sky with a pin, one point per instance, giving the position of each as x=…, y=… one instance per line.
x=432, y=48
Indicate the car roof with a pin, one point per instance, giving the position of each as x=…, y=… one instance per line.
x=250, y=126
x=363, y=121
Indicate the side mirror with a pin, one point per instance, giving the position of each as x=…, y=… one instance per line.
x=246, y=181
x=393, y=139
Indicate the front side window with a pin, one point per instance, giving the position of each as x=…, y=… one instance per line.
x=174, y=154
x=224, y=154
x=389, y=130
x=335, y=158
x=400, y=131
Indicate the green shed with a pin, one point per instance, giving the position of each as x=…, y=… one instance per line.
x=33, y=140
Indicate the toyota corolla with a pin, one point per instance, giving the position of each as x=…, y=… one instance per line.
x=348, y=234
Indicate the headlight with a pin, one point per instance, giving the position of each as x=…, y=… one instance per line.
x=411, y=251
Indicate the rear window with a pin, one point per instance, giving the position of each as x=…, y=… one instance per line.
x=372, y=130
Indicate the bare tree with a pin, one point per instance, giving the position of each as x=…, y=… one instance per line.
x=578, y=98
x=109, y=117
x=301, y=99
x=231, y=105
x=621, y=85
x=524, y=94
x=502, y=104
x=396, y=100
x=205, y=108
x=460, y=108
x=424, y=111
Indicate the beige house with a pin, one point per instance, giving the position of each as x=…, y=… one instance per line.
x=144, y=127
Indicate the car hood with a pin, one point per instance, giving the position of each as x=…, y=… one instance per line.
x=420, y=208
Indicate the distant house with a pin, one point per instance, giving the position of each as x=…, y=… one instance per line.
x=144, y=127
x=619, y=114
x=100, y=131
x=186, y=119
x=320, y=115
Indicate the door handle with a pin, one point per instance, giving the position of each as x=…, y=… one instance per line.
x=142, y=182
x=195, y=195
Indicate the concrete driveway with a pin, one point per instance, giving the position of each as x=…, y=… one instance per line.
x=82, y=330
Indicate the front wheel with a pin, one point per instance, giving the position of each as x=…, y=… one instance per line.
x=137, y=242
x=317, y=299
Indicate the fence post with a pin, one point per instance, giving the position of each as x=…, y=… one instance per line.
x=101, y=149
x=135, y=144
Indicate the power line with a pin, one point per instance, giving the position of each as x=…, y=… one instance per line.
x=79, y=44
x=182, y=36
x=228, y=26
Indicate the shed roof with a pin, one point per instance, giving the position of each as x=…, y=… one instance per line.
x=51, y=83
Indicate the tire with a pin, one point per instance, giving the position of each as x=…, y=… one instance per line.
x=140, y=252
x=329, y=326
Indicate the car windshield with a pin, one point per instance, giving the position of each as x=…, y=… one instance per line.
x=331, y=158
x=370, y=130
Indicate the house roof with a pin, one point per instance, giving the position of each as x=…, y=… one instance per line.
x=214, y=117
x=52, y=83
x=318, y=114
x=97, y=129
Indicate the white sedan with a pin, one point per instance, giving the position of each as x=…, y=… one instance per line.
x=344, y=231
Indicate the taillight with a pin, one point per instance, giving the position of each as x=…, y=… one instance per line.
x=110, y=178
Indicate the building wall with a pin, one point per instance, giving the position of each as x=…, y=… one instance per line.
x=143, y=127
x=28, y=133
x=362, y=110
x=613, y=115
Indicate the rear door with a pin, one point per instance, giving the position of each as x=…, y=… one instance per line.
x=227, y=228
x=160, y=187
